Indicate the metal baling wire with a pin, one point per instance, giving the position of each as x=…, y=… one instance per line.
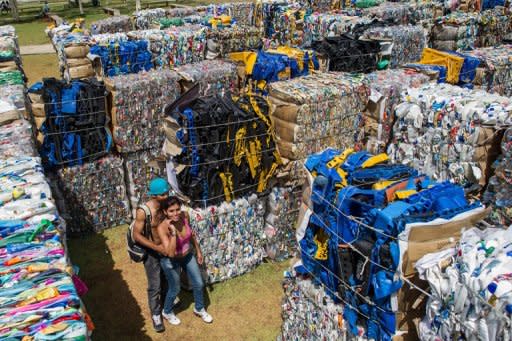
x=78, y=130
x=507, y=319
x=345, y=284
x=227, y=159
x=367, y=259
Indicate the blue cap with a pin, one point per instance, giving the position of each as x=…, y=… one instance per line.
x=158, y=186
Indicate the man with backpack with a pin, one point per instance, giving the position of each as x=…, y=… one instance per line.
x=145, y=235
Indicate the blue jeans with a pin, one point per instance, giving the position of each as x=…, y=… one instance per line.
x=171, y=269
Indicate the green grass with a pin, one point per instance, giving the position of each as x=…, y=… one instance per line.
x=244, y=308
x=32, y=32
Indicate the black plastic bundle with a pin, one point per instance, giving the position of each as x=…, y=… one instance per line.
x=229, y=150
x=75, y=125
x=347, y=54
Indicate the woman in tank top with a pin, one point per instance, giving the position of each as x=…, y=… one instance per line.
x=178, y=240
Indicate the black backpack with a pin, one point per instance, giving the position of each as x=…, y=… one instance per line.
x=137, y=252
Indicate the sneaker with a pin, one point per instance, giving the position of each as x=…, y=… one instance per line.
x=204, y=315
x=173, y=319
x=157, y=323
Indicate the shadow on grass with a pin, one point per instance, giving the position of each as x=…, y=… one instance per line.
x=186, y=295
x=110, y=303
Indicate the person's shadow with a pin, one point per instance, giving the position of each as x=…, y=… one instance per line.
x=110, y=303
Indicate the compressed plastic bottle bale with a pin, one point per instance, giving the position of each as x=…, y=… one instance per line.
x=95, y=195
x=435, y=133
x=280, y=220
x=494, y=72
x=305, y=304
x=121, y=23
x=386, y=91
x=231, y=237
x=498, y=193
x=16, y=139
x=138, y=101
x=216, y=77
x=408, y=42
x=140, y=168
x=454, y=278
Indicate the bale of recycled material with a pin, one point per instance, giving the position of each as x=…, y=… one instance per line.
x=16, y=139
x=306, y=304
x=499, y=191
x=316, y=111
x=70, y=43
x=466, y=31
x=12, y=99
x=494, y=73
x=222, y=41
x=137, y=102
x=280, y=219
x=243, y=13
x=466, y=289
x=408, y=42
x=10, y=58
x=321, y=25
x=73, y=119
x=231, y=236
x=136, y=51
x=215, y=77
x=258, y=69
x=343, y=244
x=119, y=23
x=140, y=168
x=386, y=91
x=402, y=13
x=449, y=133
x=228, y=150
x=95, y=195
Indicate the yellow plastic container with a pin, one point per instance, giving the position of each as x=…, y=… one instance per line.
x=452, y=63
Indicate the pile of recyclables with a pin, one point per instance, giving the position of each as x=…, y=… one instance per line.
x=137, y=104
x=118, y=23
x=387, y=87
x=494, y=72
x=447, y=132
x=499, y=189
x=72, y=119
x=357, y=235
x=95, y=195
x=222, y=149
x=39, y=290
x=470, y=283
x=231, y=236
x=308, y=312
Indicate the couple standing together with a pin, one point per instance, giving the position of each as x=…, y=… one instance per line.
x=169, y=249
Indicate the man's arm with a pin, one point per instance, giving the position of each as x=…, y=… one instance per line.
x=138, y=227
